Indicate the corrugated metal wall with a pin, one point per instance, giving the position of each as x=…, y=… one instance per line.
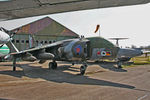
x=43, y=31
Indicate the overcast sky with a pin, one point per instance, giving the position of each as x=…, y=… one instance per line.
x=132, y=22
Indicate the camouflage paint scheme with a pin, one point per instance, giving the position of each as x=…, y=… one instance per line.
x=76, y=50
x=99, y=44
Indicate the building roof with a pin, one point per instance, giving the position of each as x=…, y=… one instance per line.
x=46, y=26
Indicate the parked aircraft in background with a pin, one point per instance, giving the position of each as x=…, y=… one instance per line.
x=5, y=37
x=76, y=50
x=117, y=40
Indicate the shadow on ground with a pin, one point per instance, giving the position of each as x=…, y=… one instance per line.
x=108, y=65
x=61, y=76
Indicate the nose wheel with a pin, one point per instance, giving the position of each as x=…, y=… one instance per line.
x=83, y=69
x=53, y=65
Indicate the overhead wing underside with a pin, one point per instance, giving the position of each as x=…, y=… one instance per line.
x=13, y=9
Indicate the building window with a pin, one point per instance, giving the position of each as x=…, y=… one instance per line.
x=17, y=41
x=45, y=42
x=41, y=42
x=50, y=42
x=27, y=41
x=13, y=41
x=37, y=41
x=22, y=41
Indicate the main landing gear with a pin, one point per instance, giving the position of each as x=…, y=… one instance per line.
x=83, y=69
x=53, y=65
x=119, y=64
x=14, y=64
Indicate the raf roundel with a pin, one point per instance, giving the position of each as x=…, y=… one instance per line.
x=103, y=53
x=78, y=49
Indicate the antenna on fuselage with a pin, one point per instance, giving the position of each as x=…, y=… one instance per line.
x=117, y=40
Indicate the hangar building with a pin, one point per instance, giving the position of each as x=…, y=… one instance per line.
x=40, y=32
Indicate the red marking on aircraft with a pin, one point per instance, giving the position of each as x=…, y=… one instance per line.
x=78, y=50
x=98, y=53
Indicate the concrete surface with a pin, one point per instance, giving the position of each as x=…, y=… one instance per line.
x=102, y=81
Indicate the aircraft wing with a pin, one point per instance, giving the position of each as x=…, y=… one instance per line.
x=13, y=9
x=43, y=47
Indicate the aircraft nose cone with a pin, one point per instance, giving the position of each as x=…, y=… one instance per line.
x=136, y=52
x=141, y=52
x=129, y=52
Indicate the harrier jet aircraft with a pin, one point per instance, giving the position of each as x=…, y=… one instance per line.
x=76, y=50
x=72, y=49
x=14, y=9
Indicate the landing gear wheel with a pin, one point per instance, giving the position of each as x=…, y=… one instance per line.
x=119, y=65
x=52, y=65
x=82, y=70
x=73, y=64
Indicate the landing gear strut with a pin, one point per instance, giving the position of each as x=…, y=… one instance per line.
x=83, y=69
x=14, y=64
x=119, y=64
x=53, y=65
x=73, y=63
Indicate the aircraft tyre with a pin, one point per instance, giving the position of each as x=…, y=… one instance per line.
x=52, y=65
x=82, y=70
x=119, y=65
x=73, y=64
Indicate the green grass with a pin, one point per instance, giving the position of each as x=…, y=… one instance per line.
x=141, y=60
x=138, y=61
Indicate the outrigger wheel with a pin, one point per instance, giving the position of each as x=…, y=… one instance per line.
x=119, y=64
x=82, y=69
x=53, y=65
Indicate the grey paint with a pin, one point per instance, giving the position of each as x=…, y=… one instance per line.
x=126, y=52
x=14, y=9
